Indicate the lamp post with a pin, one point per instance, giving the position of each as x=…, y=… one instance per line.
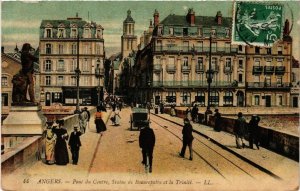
x=99, y=75
x=77, y=72
x=209, y=74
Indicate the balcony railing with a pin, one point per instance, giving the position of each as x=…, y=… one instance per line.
x=157, y=68
x=185, y=68
x=192, y=84
x=267, y=85
x=257, y=70
x=195, y=49
x=171, y=68
x=214, y=68
x=279, y=70
x=228, y=69
x=269, y=70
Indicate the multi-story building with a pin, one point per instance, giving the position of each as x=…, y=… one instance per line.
x=62, y=44
x=173, y=67
x=295, y=90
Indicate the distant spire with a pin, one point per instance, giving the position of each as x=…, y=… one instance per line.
x=16, y=49
x=128, y=12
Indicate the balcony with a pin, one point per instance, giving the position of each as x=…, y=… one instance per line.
x=157, y=68
x=279, y=70
x=228, y=69
x=254, y=85
x=171, y=68
x=215, y=68
x=269, y=70
x=185, y=69
x=193, y=84
x=200, y=68
x=257, y=70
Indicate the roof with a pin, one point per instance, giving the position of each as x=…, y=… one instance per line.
x=180, y=20
x=129, y=19
x=68, y=23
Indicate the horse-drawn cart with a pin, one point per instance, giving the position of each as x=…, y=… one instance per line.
x=139, y=118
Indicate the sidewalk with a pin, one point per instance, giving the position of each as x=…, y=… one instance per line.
x=277, y=165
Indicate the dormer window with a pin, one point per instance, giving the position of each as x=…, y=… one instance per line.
x=48, y=33
x=199, y=32
x=87, y=33
x=99, y=33
x=213, y=32
x=171, y=31
x=159, y=31
x=61, y=33
x=227, y=31
x=73, y=33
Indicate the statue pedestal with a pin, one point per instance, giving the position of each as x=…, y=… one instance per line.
x=24, y=121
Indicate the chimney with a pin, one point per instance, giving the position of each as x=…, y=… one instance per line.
x=156, y=18
x=219, y=17
x=151, y=23
x=190, y=17
x=286, y=28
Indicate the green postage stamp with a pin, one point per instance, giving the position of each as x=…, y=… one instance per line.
x=258, y=24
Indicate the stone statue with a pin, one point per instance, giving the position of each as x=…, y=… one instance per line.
x=24, y=79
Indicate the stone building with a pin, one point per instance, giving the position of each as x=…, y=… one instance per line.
x=295, y=90
x=59, y=40
x=173, y=67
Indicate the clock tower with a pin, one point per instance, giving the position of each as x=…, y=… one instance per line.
x=128, y=39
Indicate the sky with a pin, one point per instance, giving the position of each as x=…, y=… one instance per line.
x=20, y=20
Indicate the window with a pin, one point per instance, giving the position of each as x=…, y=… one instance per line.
x=228, y=62
x=241, y=64
x=213, y=32
x=60, y=80
x=129, y=26
x=48, y=66
x=227, y=33
x=255, y=78
x=240, y=48
x=279, y=100
x=86, y=33
x=4, y=81
x=171, y=31
x=48, y=80
x=256, y=100
x=214, y=47
x=171, y=97
x=74, y=33
x=214, y=98
x=279, y=49
x=99, y=48
x=185, y=61
x=99, y=33
x=257, y=50
x=186, y=46
x=186, y=97
x=279, y=63
x=73, y=80
x=199, y=32
x=74, y=48
x=73, y=65
x=269, y=51
x=200, y=98
x=4, y=99
x=61, y=65
x=257, y=62
x=48, y=33
x=85, y=65
x=159, y=31
x=268, y=63
x=56, y=97
x=48, y=48
x=158, y=45
x=199, y=47
x=60, y=33
x=128, y=44
x=185, y=32
x=87, y=49
x=60, y=49
x=228, y=98
x=279, y=81
x=240, y=78
x=214, y=63
x=268, y=81
x=293, y=77
x=185, y=79
x=227, y=47
x=200, y=64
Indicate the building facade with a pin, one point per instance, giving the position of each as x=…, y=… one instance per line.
x=173, y=67
x=295, y=78
x=63, y=44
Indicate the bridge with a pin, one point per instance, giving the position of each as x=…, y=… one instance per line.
x=112, y=161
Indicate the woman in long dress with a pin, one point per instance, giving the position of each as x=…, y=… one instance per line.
x=100, y=125
x=50, y=139
x=117, y=117
x=61, y=151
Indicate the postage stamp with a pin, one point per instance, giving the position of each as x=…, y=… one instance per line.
x=258, y=24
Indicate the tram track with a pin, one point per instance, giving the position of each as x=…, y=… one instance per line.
x=175, y=129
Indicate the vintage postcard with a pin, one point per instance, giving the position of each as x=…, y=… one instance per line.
x=150, y=95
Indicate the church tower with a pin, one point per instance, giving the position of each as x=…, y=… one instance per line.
x=128, y=39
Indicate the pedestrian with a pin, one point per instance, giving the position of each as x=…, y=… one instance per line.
x=187, y=138
x=161, y=108
x=207, y=112
x=240, y=127
x=147, y=142
x=188, y=113
x=61, y=151
x=75, y=144
x=218, y=121
x=100, y=125
x=50, y=139
x=195, y=111
x=172, y=111
x=83, y=120
x=117, y=117
x=254, y=134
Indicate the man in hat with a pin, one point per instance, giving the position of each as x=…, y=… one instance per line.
x=147, y=142
x=218, y=121
x=74, y=144
x=187, y=138
x=254, y=134
x=240, y=128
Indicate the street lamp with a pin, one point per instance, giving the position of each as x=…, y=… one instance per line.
x=99, y=74
x=209, y=74
x=77, y=72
